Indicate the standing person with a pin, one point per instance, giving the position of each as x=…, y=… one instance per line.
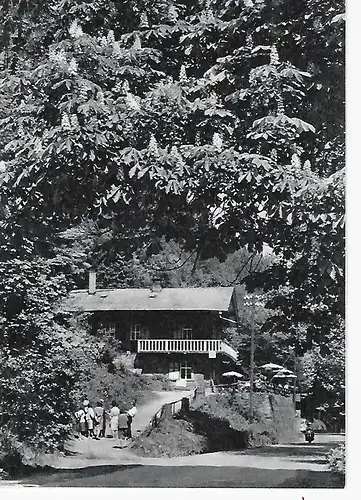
x=303, y=425
x=99, y=419
x=90, y=418
x=130, y=415
x=102, y=431
x=114, y=418
x=80, y=416
x=123, y=425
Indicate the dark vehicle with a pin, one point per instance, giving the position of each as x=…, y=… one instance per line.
x=309, y=435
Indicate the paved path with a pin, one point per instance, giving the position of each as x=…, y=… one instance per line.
x=86, y=452
x=147, y=411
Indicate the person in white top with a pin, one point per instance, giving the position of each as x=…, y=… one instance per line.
x=130, y=415
x=90, y=418
x=114, y=418
x=80, y=417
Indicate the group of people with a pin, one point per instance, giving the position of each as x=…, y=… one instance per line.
x=92, y=421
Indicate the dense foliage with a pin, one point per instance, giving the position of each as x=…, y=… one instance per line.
x=218, y=124
x=337, y=460
x=36, y=374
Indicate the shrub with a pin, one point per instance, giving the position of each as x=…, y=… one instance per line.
x=121, y=386
x=100, y=378
x=172, y=437
x=274, y=419
x=14, y=454
x=337, y=460
x=222, y=420
x=318, y=425
x=283, y=422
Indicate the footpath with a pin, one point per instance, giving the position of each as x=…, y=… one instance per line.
x=86, y=452
x=292, y=456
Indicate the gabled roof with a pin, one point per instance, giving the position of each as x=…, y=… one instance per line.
x=142, y=299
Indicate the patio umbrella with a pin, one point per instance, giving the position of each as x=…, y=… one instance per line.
x=284, y=375
x=232, y=374
x=271, y=367
x=284, y=371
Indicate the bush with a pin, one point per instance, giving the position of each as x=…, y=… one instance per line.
x=221, y=422
x=14, y=454
x=337, y=461
x=158, y=382
x=274, y=420
x=283, y=422
x=172, y=437
x=11, y=453
x=100, y=378
x=121, y=386
x=318, y=425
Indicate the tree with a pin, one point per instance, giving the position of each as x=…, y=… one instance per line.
x=36, y=376
x=323, y=379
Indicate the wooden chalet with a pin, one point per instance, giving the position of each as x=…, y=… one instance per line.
x=173, y=331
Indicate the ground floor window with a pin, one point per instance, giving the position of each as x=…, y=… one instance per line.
x=174, y=366
x=185, y=371
x=107, y=328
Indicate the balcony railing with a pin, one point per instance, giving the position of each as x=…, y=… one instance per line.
x=198, y=346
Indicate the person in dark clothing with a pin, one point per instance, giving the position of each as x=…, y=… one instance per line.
x=103, y=426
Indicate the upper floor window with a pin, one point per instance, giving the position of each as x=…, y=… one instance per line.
x=135, y=331
x=186, y=333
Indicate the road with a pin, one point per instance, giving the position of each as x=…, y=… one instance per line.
x=295, y=465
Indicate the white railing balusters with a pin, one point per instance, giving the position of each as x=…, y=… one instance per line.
x=187, y=346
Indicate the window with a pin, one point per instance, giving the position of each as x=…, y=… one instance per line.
x=135, y=331
x=107, y=328
x=174, y=366
x=186, y=333
x=185, y=371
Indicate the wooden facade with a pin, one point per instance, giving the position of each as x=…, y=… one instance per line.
x=165, y=334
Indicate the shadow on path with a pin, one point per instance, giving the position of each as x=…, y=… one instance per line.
x=139, y=476
x=294, y=450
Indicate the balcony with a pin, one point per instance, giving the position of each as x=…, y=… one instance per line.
x=198, y=346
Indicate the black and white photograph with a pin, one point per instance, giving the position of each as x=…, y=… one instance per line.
x=172, y=245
